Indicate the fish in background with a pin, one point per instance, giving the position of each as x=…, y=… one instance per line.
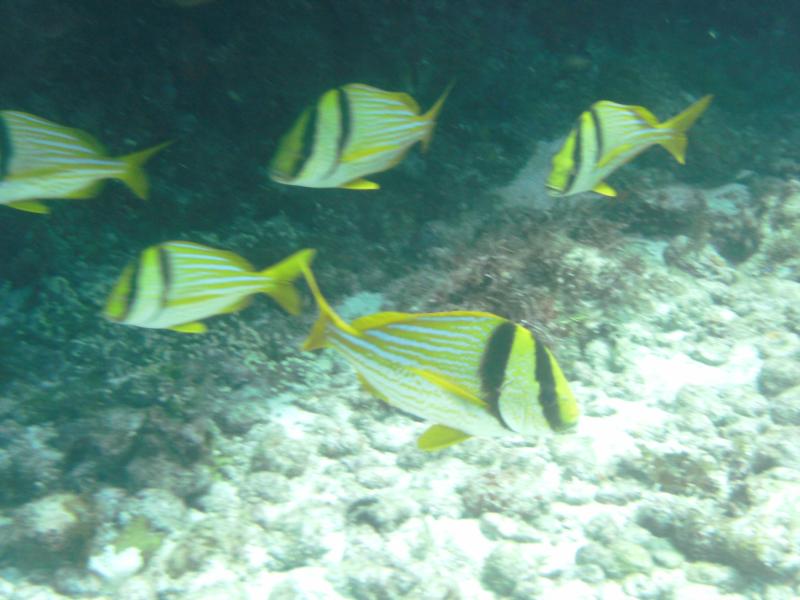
x=174, y=285
x=607, y=136
x=469, y=373
x=40, y=159
x=352, y=131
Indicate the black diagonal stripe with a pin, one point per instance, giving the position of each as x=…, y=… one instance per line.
x=6, y=149
x=548, y=399
x=345, y=112
x=166, y=276
x=598, y=134
x=130, y=300
x=306, y=145
x=577, y=157
x=493, y=366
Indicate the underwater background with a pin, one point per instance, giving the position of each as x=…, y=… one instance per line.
x=139, y=463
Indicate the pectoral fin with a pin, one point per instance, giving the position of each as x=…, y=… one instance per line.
x=437, y=437
x=604, y=189
x=614, y=154
x=195, y=327
x=370, y=389
x=358, y=154
x=451, y=387
x=360, y=184
x=33, y=206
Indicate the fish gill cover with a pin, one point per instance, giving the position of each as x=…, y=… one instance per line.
x=140, y=462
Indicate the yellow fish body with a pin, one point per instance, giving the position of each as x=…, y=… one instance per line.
x=41, y=159
x=352, y=131
x=469, y=373
x=175, y=285
x=607, y=136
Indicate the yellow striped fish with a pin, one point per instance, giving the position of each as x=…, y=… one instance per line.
x=353, y=130
x=41, y=159
x=469, y=373
x=607, y=136
x=176, y=284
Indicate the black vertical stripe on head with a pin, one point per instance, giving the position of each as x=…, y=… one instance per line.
x=130, y=300
x=166, y=276
x=6, y=150
x=306, y=144
x=548, y=399
x=598, y=134
x=493, y=366
x=346, y=123
x=577, y=157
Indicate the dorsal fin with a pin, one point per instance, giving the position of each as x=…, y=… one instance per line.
x=380, y=319
x=407, y=100
x=318, y=338
x=645, y=115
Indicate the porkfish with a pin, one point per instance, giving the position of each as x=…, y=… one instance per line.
x=174, y=285
x=352, y=131
x=607, y=136
x=468, y=373
x=40, y=159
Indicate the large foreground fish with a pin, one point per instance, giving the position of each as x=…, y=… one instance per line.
x=607, y=136
x=352, y=131
x=40, y=159
x=469, y=373
x=174, y=285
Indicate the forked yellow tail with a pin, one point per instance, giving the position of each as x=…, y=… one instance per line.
x=134, y=176
x=679, y=124
x=280, y=279
x=432, y=114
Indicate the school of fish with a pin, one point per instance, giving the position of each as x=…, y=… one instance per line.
x=466, y=373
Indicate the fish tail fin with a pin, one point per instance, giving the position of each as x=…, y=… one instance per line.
x=432, y=114
x=280, y=286
x=318, y=336
x=134, y=176
x=679, y=124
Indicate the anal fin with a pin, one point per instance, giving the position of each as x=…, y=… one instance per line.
x=194, y=327
x=360, y=184
x=604, y=189
x=437, y=437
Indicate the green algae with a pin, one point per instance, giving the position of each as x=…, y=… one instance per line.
x=139, y=533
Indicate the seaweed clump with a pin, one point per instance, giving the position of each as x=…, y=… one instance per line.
x=565, y=279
